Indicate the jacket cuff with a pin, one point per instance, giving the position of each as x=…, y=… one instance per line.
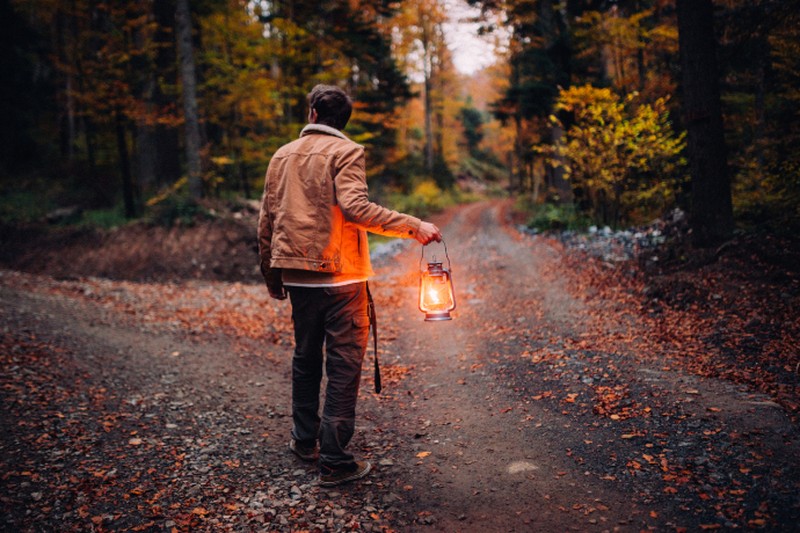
x=272, y=276
x=413, y=227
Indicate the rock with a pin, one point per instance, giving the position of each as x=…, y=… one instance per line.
x=64, y=214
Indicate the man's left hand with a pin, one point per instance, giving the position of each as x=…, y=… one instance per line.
x=428, y=232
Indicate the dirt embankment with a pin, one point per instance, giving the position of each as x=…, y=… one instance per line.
x=219, y=248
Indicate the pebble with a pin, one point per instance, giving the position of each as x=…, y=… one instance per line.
x=623, y=245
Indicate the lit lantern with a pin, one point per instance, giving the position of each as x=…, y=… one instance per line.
x=436, y=296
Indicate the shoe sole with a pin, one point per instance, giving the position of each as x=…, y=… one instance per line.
x=354, y=476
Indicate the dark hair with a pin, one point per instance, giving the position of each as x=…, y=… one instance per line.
x=332, y=105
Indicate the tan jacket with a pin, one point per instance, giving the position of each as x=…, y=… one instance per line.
x=315, y=210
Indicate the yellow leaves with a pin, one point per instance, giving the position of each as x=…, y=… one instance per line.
x=623, y=151
x=422, y=455
x=222, y=161
x=166, y=193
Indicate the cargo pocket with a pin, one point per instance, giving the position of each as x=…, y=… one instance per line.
x=361, y=321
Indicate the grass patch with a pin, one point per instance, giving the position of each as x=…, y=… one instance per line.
x=104, y=218
x=551, y=217
x=23, y=206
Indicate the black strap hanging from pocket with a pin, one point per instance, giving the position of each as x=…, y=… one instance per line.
x=373, y=320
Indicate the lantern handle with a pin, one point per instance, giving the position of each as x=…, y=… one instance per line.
x=422, y=255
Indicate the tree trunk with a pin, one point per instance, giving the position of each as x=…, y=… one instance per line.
x=128, y=192
x=183, y=27
x=167, y=137
x=711, y=211
x=145, y=148
x=553, y=24
x=146, y=145
x=68, y=129
x=427, y=68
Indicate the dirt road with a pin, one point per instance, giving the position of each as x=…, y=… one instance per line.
x=543, y=406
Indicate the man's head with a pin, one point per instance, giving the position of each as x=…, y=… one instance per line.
x=331, y=105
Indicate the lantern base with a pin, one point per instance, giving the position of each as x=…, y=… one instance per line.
x=436, y=317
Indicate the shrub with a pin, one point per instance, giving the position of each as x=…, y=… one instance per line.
x=622, y=157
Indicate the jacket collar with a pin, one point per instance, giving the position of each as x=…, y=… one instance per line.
x=322, y=128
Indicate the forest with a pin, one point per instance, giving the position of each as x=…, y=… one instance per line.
x=595, y=112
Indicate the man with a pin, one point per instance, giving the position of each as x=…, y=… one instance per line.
x=312, y=240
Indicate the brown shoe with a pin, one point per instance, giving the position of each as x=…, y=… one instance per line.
x=304, y=452
x=330, y=477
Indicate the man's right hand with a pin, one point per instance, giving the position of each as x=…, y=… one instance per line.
x=277, y=291
x=428, y=232
x=273, y=277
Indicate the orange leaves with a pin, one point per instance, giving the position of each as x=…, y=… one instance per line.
x=634, y=465
x=571, y=397
x=609, y=402
x=394, y=373
x=196, y=307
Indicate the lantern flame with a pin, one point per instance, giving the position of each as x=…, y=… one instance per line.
x=433, y=294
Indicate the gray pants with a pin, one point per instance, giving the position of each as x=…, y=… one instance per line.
x=336, y=317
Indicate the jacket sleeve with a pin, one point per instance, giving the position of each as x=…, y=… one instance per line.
x=350, y=182
x=272, y=276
